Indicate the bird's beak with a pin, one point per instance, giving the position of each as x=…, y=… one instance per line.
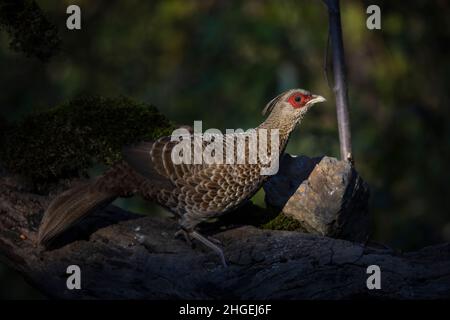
x=315, y=99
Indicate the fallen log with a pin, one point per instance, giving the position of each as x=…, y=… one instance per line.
x=125, y=255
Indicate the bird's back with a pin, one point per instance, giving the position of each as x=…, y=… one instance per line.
x=196, y=191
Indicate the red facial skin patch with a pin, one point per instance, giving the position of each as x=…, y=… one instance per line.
x=298, y=100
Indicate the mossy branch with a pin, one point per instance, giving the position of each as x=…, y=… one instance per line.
x=64, y=141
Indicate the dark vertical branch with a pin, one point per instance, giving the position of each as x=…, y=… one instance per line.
x=340, y=81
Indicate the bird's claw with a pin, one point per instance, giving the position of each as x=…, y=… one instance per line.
x=183, y=233
x=210, y=243
x=215, y=241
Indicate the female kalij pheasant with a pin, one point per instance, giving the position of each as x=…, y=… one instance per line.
x=194, y=192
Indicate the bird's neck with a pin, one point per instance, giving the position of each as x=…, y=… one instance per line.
x=285, y=127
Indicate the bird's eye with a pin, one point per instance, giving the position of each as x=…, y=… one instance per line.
x=297, y=100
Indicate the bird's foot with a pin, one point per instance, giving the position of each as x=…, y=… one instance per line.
x=215, y=241
x=210, y=243
x=183, y=233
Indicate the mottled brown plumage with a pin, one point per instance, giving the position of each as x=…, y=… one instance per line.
x=194, y=192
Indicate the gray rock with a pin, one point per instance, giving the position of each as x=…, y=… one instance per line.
x=325, y=195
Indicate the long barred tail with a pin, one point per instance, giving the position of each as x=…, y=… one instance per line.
x=69, y=207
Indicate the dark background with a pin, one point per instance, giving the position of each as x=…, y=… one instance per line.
x=221, y=61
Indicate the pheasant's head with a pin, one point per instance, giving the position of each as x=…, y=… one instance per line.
x=288, y=108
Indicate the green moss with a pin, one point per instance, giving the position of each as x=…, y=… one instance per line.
x=64, y=141
x=251, y=214
x=283, y=222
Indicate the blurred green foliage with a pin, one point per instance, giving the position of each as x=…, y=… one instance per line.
x=221, y=61
x=30, y=31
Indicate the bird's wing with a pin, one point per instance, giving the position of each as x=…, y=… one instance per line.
x=141, y=157
x=153, y=161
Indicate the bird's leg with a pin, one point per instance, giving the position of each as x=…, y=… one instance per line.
x=184, y=234
x=209, y=244
x=215, y=241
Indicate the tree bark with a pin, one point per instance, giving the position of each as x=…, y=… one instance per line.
x=124, y=255
x=340, y=79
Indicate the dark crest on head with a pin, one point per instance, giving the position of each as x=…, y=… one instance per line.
x=269, y=107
